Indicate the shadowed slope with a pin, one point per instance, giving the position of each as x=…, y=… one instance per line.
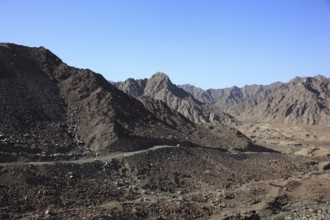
x=48, y=105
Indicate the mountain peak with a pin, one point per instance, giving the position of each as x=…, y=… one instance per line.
x=320, y=77
x=160, y=78
x=159, y=81
x=298, y=79
x=59, y=108
x=160, y=87
x=160, y=75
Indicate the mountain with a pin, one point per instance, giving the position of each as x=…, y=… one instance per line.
x=160, y=87
x=303, y=100
x=46, y=105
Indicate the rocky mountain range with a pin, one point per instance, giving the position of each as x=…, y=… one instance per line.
x=160, y=87
x=46, y=105
x=59, y=126
x=303, y=100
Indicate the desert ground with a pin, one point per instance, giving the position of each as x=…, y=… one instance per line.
x=173, y=182
x=308, y=140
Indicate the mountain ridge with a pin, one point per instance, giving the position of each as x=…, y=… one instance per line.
x=49, y=106
x=160, y=87
x=303, y=100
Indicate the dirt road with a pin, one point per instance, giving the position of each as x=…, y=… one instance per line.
x=107, y=157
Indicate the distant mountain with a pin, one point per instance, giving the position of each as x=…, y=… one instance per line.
x=46, y=105
x=303, y=100
x=160, y=87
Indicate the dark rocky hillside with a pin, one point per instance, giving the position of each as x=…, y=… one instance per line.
x=58, y=121
x=301, y=101
x=160, y=87
x=46, y=105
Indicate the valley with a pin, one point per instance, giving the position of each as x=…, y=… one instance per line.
x=74, y=146
x=298, y=139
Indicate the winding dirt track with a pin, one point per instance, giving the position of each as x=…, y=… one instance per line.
x=91, y=159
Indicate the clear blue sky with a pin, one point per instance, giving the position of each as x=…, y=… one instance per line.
x=208, y=43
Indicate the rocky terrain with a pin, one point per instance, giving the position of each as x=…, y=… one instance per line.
x=160, y=87
x=303, y=100
x=169, y=183
x=74, y=146
x=49, y=107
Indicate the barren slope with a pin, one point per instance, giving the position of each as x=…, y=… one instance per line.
x=300, y=101
x=47, y=105
x=160, y=87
